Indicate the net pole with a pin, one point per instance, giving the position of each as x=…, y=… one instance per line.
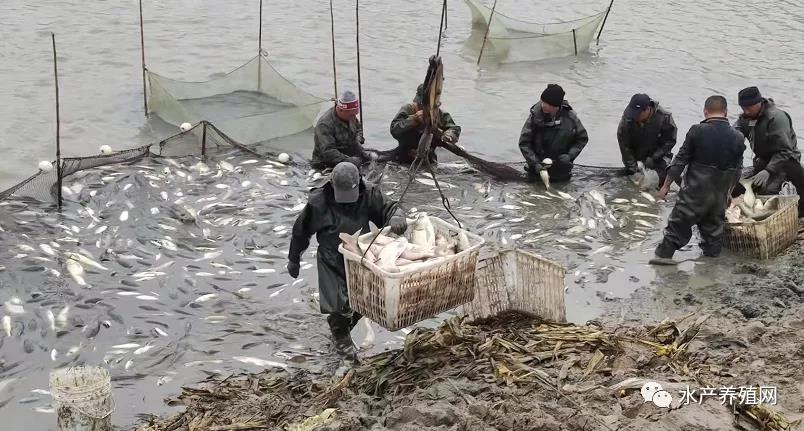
x=441, y=26
x=204, y=139
x=575, y=42
x=357, y=44
x=445, y=15
x=605, y=18
x=485, y=36
x=334, y=70
x=58, y=119
x=142, y=52
x=259, y=53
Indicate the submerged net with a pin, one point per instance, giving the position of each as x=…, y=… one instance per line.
x=251, y=104
x=203, y=137
x=515, y=40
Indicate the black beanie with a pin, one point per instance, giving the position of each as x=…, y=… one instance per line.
x=749, y=96
x=553, y=94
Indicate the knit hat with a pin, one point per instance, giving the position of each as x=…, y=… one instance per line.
x=749, y=96
x=553, y=94
x=345, y=181
x=348, y=101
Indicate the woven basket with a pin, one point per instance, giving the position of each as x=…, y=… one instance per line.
x=398, y=300
x=515, y=280
x=766, y=238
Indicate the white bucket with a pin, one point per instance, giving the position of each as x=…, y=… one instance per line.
x=83, y=397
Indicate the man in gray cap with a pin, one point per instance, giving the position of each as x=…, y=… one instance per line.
x=339, y=135
x=407, y=128
x=647, y=134
x=770, y=133
x=554, y=131
x=345, y=204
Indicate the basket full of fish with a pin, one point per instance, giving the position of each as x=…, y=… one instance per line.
x=761, y=226
x=397, y=281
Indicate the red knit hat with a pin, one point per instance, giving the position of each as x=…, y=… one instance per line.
x=348, y=101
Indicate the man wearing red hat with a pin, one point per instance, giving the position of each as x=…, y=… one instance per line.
x=339, y=135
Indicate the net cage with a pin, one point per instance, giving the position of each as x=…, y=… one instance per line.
x=250, y=104
x=514, y=40
x=43, y=186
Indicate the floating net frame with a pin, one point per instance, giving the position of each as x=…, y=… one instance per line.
x=201, y=138
x=287, y=109
x=515, y=40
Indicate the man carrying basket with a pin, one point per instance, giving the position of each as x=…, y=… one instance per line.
x=345, y=204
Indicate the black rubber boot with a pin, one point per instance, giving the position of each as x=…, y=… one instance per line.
x=339, y=326
x=664, y=254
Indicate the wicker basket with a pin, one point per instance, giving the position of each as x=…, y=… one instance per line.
x=398, y=300
x=515, y=280
x=766, y=238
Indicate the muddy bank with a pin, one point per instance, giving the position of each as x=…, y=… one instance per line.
x=509, y=374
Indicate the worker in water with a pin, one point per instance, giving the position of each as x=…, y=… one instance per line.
x=339, y=135
x=408, y=125
x=769, y=131
x=712, y=154
x=345, y=204
x=553, y=131
x=647, y=134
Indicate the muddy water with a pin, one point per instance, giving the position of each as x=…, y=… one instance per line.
x=177, y=300
x=679, y=52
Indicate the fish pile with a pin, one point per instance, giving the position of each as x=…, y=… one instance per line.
x=748, y=208
x=646, y=179
x=423, y=247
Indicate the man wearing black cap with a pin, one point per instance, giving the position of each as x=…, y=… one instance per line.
x=345, y=204
x=407, y=128
x=339, y=135
x=647, y=134
x=553, y=131
x=770, y=132
x=712, y=155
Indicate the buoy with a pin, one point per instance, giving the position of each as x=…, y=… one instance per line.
x=283, y=158
x=45, y=166
x=105, y=149
x=185, y=127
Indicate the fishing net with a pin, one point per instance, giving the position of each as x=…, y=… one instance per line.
x=203, y=137
x=251, y=104
x=514, y=40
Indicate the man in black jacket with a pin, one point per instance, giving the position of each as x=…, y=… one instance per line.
x=712, y=153
x=554, y=131
x=408, y=125
x=769, y=131
x=647, y=134
x=345, y=204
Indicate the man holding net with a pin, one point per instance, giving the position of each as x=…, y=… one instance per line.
x=647, y=134
x=408, y=126
x=345, y=204
x=339, y=135
x=553, y=131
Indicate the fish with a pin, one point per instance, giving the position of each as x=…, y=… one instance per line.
x=76, y=271
x=127, y=346
x=205, y=298
x=6, y=322
x=259, y=362
x=511, y=207
x=532, y=231
x=124, y=216
x=147, y=298
x=515, y=236
x=517, y=220
x=598, y=197
x=545, y=176
x=61, y=318
x=265, y=271
x=576, y=230
x=83, y=260
x=648, y=196
x=369, y=341
x=621, y=201
x=604, y=249
x=47, y=249
x=565, y=195
x=592, y=224
x=643, y=223
x=644, y=214
x=160, y=332
x=749, y=197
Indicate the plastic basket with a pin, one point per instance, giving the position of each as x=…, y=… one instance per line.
x=766, y=238
x=398, y=300
x=515, y=280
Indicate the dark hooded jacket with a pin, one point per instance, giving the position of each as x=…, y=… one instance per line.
x=712, y=153
x=336, y=140
x=542, y=138
x=326, y=218
x=772, y=140
x=654, y=138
